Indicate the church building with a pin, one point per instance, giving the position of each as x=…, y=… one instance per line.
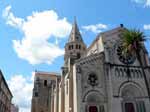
x=97, y=78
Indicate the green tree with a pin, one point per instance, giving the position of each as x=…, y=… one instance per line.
x=133, y=43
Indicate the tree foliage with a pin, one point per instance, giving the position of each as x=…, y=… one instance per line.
x=133, y=40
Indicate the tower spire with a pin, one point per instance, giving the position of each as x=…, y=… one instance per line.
x=75, y=21
x=75, y=47
x=75, y=33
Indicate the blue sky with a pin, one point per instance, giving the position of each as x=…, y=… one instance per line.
x=33, y=34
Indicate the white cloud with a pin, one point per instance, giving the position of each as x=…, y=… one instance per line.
x=11, y=19
x=21, y=88
x=38, y=29
x=97, y=28
x=146, y=3
x=146, y=27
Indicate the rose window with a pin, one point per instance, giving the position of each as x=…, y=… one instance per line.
x=92, y=80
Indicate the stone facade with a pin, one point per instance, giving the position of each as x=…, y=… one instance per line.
x=97, y=78
x=45, y=92
x=5, y=95
x=14, y=108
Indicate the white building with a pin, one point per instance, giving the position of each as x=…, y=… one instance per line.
x=94, y=79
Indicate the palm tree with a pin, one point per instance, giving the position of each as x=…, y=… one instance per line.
x=133, y=43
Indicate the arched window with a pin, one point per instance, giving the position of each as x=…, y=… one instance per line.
x=97, y=100
x=76, y=46
x=79, y=46
x=129, y=94
x=71, y=46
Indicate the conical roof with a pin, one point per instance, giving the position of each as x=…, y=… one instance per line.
x=75, y=33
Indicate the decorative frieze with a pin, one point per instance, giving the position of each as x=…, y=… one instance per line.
x=125, y=72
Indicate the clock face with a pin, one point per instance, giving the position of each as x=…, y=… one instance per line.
x=125, y=58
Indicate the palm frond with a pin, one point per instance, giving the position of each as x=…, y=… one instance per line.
x=132, y=40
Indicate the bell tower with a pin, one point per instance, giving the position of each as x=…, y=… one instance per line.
x=75, y=47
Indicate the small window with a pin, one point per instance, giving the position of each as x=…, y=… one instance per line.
x=76, y=46
x=36, y=94
x=45, y=82
x=71, y=46
x=79, y=46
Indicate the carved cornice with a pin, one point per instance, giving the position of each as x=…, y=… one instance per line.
x=132, y=66
x=91, y=58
